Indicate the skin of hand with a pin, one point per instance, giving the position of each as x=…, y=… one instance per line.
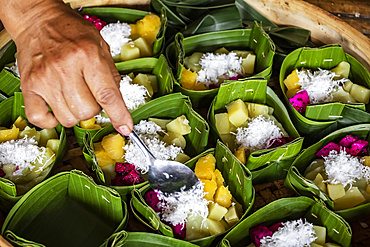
x=64, y=63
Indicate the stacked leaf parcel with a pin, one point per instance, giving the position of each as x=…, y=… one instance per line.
x=170, y=128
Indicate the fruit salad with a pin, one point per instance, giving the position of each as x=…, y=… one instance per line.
x=290, y=234
x=26, y=154
x=207, y=209
x=342, y=171
x=208, y=70
x=129, y=41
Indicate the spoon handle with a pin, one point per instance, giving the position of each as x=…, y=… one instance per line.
x=144, y=149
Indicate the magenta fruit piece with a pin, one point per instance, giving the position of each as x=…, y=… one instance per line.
x=275, y=227
x=364, y=152
x=132, y=178
x=179, y=230
x=118, y=180
x=124, y=168
x=277, y=142
x=357, y=147
x=324, y=152
x=348, y=140
x=258, y=232
x=151, y=198
x=300, y=101
x=2, y=173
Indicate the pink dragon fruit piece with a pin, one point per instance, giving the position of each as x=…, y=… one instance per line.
x=300, y=101
x=258, y=232
x=364, y=152
x=118, y=180
x=275, y=227
x=357, y=147
x=179, y=230
x=324, y=152
x=348, y=140
x=277, y=142
x=132, y=178
x=151, y=198
x=124, y=168
x=2, y=173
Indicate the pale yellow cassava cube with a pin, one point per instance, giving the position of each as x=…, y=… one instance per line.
x=319, y=182
x=231, y=217
x=360, y=93
x=347, y=86
x=366, y=160
x=179, y=125
x=53, y=144
x=342, y=96
x=21, y=123
x=9, y=134
x=223, y=196
x=222, y=50
x=161, y=122
x=320, y=234
x=242, y=54
x=335, y=191
x=129, y=51
x=182, y=158
x=215, y=227
x=47, y=134
x=44, y=161
x=238, y=112
x=88, y=124
x=142, y=79
x=352, y=198
x=196, y=227
x=109, y=172
x=224, y=223
x=222, y=123
x=154, y=82
x=255, y=110
x=229, y=141
x=176, y=139
x=238, y=207
x=30, y=133
x=342, y=70
x=216, y=212
x=113, y=145
x=248, y=64
x=291, y=81
x=192, y=62
x=315, y=245
x=146, y=50
x=240, y=155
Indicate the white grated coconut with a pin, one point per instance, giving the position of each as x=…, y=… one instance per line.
x=116, y=35
x=134, y=95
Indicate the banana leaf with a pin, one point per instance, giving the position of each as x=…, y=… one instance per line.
x=254, y=39
x=269, y=164
x=10, y=109
x=156, y=66
x=296, y=181
x=337, y=230
x=237, y=178
x=68, y=209
x=325, y=57
x=9, y=83
x=110, y=14
x=169, y=106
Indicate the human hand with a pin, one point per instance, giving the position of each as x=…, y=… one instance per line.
x=64, y=63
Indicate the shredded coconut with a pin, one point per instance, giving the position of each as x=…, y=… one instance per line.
x=147, y=127
x=214, y=66
x=102, y=119
x=344, y=168
x=177, y=206
x=295, y=233
x=22, y=153
x=116, y=35
x=134, y=95
x=257, y=135
x=320, y=84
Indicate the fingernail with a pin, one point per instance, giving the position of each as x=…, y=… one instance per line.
x=124, y=130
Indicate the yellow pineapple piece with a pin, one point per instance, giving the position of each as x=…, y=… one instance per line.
x=9, y=134
x=88, y=124
x=205, y=166
x=134, y=32
x=96, y=127
x=219, y=178
x=210, y=187
x=366, y=160
x=199, y=87
x=21, y=123
x=291, y=81
x=98, y=147
x=240, y=155
x=113, y=145
x=188, y=79
x=103, y=158
x=291, y=92
x=148, y=27
x=223, y=196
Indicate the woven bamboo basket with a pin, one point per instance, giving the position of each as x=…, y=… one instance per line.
x=325, y=29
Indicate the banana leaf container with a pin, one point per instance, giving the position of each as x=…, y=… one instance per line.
x=237, y=178
x=9, y=82
x=254, y=39
x=296, y=181
x=156, y=66
x=337, y=230
x=322, y=119
x=10, y=110
x=68, y=209
x=111, y=15
x=269, y=164
x=169, y=106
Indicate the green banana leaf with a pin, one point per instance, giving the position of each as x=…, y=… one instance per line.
x=237, y=178
x=303, y=186
x=9, y=83
x=330, y=111
x=337, y=230
x=325, y=57
x=269, y=164
x=248, y=39
x=68, y=209
x=156, y=66
x=169, y=106
x=10, y=109
x=110, y=14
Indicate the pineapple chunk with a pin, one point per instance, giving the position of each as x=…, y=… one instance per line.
x=148, y=27
x=9, y=134
x=129, y=51
x=336, y=191
x=319, y=182
x=180, y=125
x=53, y=144
x=216, y=212
x=161, y=122
x=30, y=133
x=88, y=124
x=96, y=127
x=223, y=196
x=222, y=123
x=222, y=50
x=98, y=147
x=196, y=227
x=192, y=62
x=47, y=134
x=320, y=234
x=291, y=81
x=291, y=92
x=352, y=198
x=248, y=64
x=188, y=79
x=113, y=145
x=218, y=177
x=215, y=227
x=154, y=82
x=109, y=173
x=210, y=187
x=205, y=166
x=145, y=49
x=134, y=32
x=103, y=158
x=240, y=155
x=142, y=79
x=237, y=112
x=176, y=139
x=360, y=93
x=342, y=70
x=20, y=123
x=182, y=158
x=231, y=217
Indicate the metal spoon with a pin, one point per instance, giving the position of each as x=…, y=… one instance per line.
x=167, y=176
